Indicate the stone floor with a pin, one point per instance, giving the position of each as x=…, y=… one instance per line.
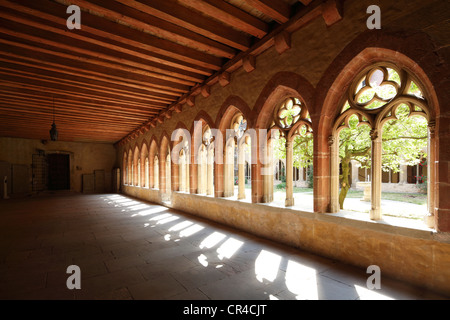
x=130, y=249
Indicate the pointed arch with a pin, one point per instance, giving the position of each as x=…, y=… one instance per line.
x=198, y=168
x=232, y=106
x=367, y=59
x=228, y=109
x=181, y=141
x=282, y=87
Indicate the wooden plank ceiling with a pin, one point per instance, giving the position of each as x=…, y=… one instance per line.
x=131, y=64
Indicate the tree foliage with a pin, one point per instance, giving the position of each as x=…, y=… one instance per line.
x=404, y=137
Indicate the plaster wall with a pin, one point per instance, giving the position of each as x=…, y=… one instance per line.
x=84, y=157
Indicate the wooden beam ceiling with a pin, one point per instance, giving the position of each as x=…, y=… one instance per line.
x=130, y=65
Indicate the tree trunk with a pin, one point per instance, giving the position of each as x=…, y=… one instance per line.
x=344, y=182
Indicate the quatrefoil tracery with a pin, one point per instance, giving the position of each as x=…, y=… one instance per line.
x=380, y=93
x=292, y=119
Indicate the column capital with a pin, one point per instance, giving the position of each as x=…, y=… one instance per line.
x=374, y=134
x=432, y=127
x=331, y=140
x=289, y=143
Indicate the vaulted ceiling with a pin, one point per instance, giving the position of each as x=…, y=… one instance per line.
x=132, y=64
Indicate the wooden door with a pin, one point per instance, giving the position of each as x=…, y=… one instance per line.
x=58, y=171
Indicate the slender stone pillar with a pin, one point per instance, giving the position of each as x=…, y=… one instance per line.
x=289, y=174
x=241, y=172
x=228, y=172
x=355, y=172
x=403, y=174
x=431, y=175
x=267, y=169
x=375, y=211
x=210, y=168
x=333, y=143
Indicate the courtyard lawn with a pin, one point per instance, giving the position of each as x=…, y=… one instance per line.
x=415, y=198
x=402, y=205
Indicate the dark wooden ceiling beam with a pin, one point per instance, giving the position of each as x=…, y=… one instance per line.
x=278, y=10
x=9, y=80
x=24, y=57
x=41, y=131
x=6, y=106
x=38, y=81
x=142, y=21
x=173, y=12
x=43, y=134
x=100, y=47
x=58, y=52
x=230, y=15
x=159, y=50
x=73, y=104
x=32, y=123
x=93, y=53
x=93, y=85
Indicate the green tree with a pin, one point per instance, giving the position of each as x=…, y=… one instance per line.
x=404, y=141
x=404, y=137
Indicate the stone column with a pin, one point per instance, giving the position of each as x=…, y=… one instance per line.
x=156, y=173
x=300, y=174
x=241, y=172
x=192, y=172
x=289, y=174
x=431, y=175
x=267, y=170
x=333, y=143
x=168, y=176
x=210, y=173
x=403, y=174
x=138, y=182
x=229, y=170
x=375, y=211
x=355, y=175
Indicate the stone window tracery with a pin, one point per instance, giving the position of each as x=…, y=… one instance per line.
x=378, y=98
x=292, y=123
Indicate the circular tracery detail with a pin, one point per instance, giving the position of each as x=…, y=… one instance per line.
x=239, y=125
x=288, y=113
x=292, y=119
x=380, y=93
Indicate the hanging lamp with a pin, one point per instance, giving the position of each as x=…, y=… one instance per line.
x=53, y=130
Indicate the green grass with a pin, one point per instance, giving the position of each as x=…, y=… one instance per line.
x=415, y=198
